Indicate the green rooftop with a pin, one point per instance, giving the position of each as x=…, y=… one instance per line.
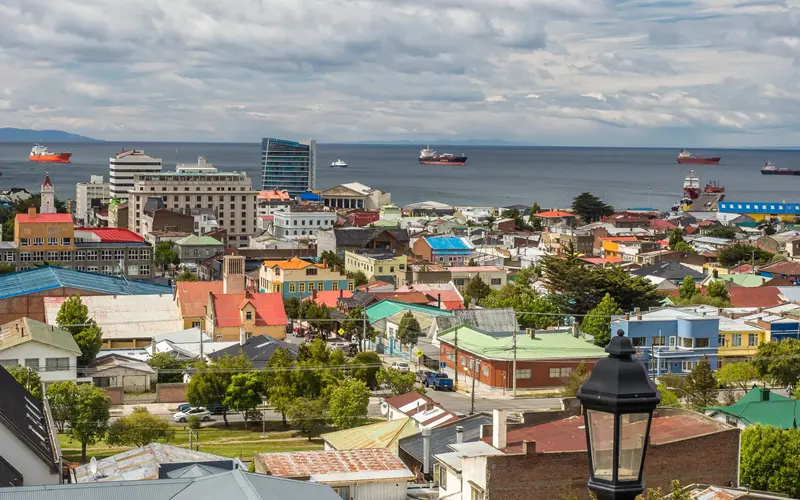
x=27, y=330
x=740, y=279
x=762, y=406
x=380, y=435
x=386, y=308
x=197, y=241
x=545, y=345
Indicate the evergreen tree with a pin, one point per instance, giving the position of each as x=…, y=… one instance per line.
x=575, y=380
x=590, y=208
x=717, y=290
x=687, y=289
x=701, y=386
x=675, y=237
x=332, y=259
x=409, y=330
x=478, y=289
x=598, y=322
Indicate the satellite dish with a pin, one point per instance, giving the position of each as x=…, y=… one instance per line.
x=93, y=466
x=384, y=408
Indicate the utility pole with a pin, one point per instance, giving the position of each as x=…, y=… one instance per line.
x=472, y=394
x=455, y=382
x=201, y=346
x=514, y=369
x=653, y=361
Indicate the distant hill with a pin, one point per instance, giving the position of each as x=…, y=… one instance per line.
x=451, y=142
x=28, y=135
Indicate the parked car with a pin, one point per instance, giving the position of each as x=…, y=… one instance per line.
x=217, y=409
x=183, y=407
x=183, y=416
x=400, y=366
x=422, y=375
x=439, y=381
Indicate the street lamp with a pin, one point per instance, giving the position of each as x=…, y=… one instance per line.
x=618, y=400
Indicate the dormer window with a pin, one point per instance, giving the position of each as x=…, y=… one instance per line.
x=249, y=315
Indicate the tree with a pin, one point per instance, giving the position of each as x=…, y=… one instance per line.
x=61, y=396
x=701, y=386
x=138, y=429
x=630, y=292
x=354, y=328
x=598, y=322
x=590, y=208
x=365, y=367
x=209, y=385
x=166, y=361
x=738, y=375
x=668, y=397
x=292, y=307
x=28, y=379
x=777, y=362
x=164, y=255
x=770, y=459
x=6, y=268
x=409, y=330
x=348, y=404
x=520, y=224
x=88, y=421
x=73, y=316
x=675, y=237
x=722, y=232
x=306, y=414
x=688, y=289
x=535, y=222
x=478, y=289
x=737, y=253
x=526, y=276
x=717, y=290
x=186, y=275
x=683, y=247
x=243, y=393
x=574, y=380
x=358, y=277
x=332, y=259
x=538, y=312
x=396, y=382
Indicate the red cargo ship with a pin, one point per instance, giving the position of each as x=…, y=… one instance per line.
x=685, y=157
x=40, y=154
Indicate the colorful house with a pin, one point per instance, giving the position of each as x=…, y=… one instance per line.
x=739, y=341
x=444, y=250
x=376, y=264
x=384, y=317
x=299, y=278
x=758, y=406
x=190, y=298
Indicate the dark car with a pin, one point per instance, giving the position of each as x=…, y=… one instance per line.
x=422, y=375
x=217, y=409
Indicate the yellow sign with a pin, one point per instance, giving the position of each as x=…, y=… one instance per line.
x=341, y=331
x=419, y=353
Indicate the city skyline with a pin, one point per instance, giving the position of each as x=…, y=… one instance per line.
x=631, y=73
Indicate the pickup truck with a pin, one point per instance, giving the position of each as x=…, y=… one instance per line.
x=439, y=381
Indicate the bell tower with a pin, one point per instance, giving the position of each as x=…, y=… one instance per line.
x=48, y=197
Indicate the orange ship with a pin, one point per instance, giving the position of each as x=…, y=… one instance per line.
x=40, y=154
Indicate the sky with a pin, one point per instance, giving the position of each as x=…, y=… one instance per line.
x=693, y=73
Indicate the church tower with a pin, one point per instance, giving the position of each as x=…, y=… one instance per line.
x=48, y=197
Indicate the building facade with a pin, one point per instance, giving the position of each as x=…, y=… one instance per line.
x=302, y=222
x=92, y=194
x=377, y=265
x=493, y=276
x=739, y=341
x=299, y=278
x=195, y=249
x=229, y=194
x=444, y=250
x=355, y=195
x=273, y=200
x=288, y=165
x=125, y=166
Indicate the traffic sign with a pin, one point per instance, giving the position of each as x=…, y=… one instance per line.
x=442, y=364
x=341, y=331
x=419, y=353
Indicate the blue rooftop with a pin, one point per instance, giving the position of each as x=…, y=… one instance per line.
x=449, y=243
x=758, y=207
x=310, y=196
x=51, y=278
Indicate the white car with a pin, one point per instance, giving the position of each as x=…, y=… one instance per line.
x=400, y=366
x=183, y=416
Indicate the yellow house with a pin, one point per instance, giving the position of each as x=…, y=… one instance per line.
x=739, y=341
x=191, y=298
x=44, y=232
x=299, y=278
x=375, y=265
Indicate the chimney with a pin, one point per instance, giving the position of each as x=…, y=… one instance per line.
x=459, y=434
x=439, y=300
x=341, y=293
x=426, y=451
x=765, y=393
x=233, y=274
x=499, y=429
x=325, y=263
x=32, y=212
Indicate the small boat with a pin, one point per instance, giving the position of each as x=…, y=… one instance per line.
x=40, y=154
x=685, y=157
x=339, y=164
x=770, y=169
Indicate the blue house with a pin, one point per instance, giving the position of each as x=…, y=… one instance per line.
x=445, y=250
x=672, y=340
x=776, y=324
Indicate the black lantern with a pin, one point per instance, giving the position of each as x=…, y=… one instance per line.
x=618, y=401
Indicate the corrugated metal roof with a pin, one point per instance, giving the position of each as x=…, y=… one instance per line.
x=49, y=278
x=444, y=436
x=379, y=435
x=26, y=330
x=336, y=466
x=386, y=308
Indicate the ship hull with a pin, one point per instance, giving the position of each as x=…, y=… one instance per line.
x=699, y=161
x=51, y=158
x=455, y=161
x=780, y=172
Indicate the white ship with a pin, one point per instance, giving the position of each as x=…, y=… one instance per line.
x=339, y=164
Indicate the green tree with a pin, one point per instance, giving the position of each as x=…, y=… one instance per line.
x=354, y=328
x=520, y=224
x=574, y=381
x=738, y=375
x=537, y=312
x=73, y=316
x=398, y=383
x=29, y=379
x=166, y=361
x=683, y=247
x=738, y=253
x=598, y=321
x=590, y=208
x=62, y=397
x=777, y=363
x=717, y=290
x=138, y=429
x=186, y=275
x=6, y=268
x=478, y=289
x=209, y=385
x=348, y=404
x=675, y=237
x=292, y=307
x=526, y=276
x=278, y=383
x=332, y=259
x=628, y=291
x=668, y=397
x=688, y=288
x=164, y=255
x=770, y=459
x=409, y=329
x=722, y=232
x=365, y=367
x=701, y=386
x=88, y=421
x=243, y=393
x=306, y=414
x=535, y=222
x=358, y=277
x=572, y=285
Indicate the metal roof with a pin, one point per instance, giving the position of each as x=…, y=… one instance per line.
x=497, y=345
x=386, y=308
x=337, y=466
x=378, y=435
x=25, y=330
x=449, y=244
x=444, y=436
x=50, y=277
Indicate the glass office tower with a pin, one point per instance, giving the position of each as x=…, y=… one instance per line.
x=288, y=165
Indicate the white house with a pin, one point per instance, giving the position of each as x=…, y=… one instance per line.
x=302, y=222
x=115, y=370
x=43, y=348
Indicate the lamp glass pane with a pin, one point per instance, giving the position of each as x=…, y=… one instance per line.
x=632, y=435
x=601, y=441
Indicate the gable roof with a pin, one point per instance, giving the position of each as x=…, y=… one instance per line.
x=488, y=320
x=555, y=214
x=546, y=345
x=192, y=296
x=336, y=466
x=27, y=330
x=404, y=297
x=112, y=234
x=43, y=218
x=330, y=297
x=115, y=360
x=194, y=240
x=258, y=349
x=445, y=435
x=291, y=264
x=762, y=296
x=378, y=435
x=787, y=267
x=449, y=244
x=669, y=269
x=762, y=406
x=358, y=299
x=386, y=308
x=51, y=278
x=426, y=412
x=268, y=306
x=361, y=236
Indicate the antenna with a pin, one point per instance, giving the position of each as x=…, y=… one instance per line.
x=93, y=468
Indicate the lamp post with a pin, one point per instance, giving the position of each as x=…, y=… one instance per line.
x=618, y=401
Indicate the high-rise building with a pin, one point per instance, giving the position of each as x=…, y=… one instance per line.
x=125, y=166
x=94, y=193
x=288, y=165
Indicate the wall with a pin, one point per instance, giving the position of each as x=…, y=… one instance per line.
x=171, y=393
x=32, y=306
x=379, y=490
x=234, y=333
x=130, y=380
x=33, y=349
x=422, y=249
x=32, y=467
x=117, y=394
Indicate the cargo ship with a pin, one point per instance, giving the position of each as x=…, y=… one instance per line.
x=40, y=154
x=771, y=169
x=685, y=157
x=428, y=156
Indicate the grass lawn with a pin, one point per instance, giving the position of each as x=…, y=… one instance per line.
x=234, y=442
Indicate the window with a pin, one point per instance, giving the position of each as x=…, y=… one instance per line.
x=144, y=270
x=25, y=242
x=687, y=365
x=335, y=286
x=698, y=343
x=8, y=362
x=25, y=256
x=343, y=492
x=721, y=340
x=292, y=287
x=119, y=254
x=459, y=281
x=105, y=269
x=38, y=242
x=38, y=256
x=91, y=254
x=659, y=340
x=736, y=340
x=195, y=324
x=53, y=256
x=350, y=286
x=686, y=342
x=443, y=477
x=80, y=255
x=485, y=370
x=496, y=281
x=462, y=360
x=302, y=286
x=133, y=254
x=10, y=257
x=52, y=242
x=475, y=493
x=320, y=285
x=102, y=382
x=145, y=255
x=560, y=372
x=752, y=339
x=639, y=341
x=249, y=315
x=32, y=363
x=56, y=364
x=106, y=254
x=524, y=373
x=66, y=242
x=311, y=272
x=133, y=270
x=91, y=269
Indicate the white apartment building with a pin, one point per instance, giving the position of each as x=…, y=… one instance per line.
x=229, y=195
x=88, y=194
x=125, y=166
x=201, y=167
x=302, y=222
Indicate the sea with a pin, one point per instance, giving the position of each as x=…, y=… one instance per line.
x=496, y=176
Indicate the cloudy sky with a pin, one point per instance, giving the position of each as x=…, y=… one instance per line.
x=548, y=72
